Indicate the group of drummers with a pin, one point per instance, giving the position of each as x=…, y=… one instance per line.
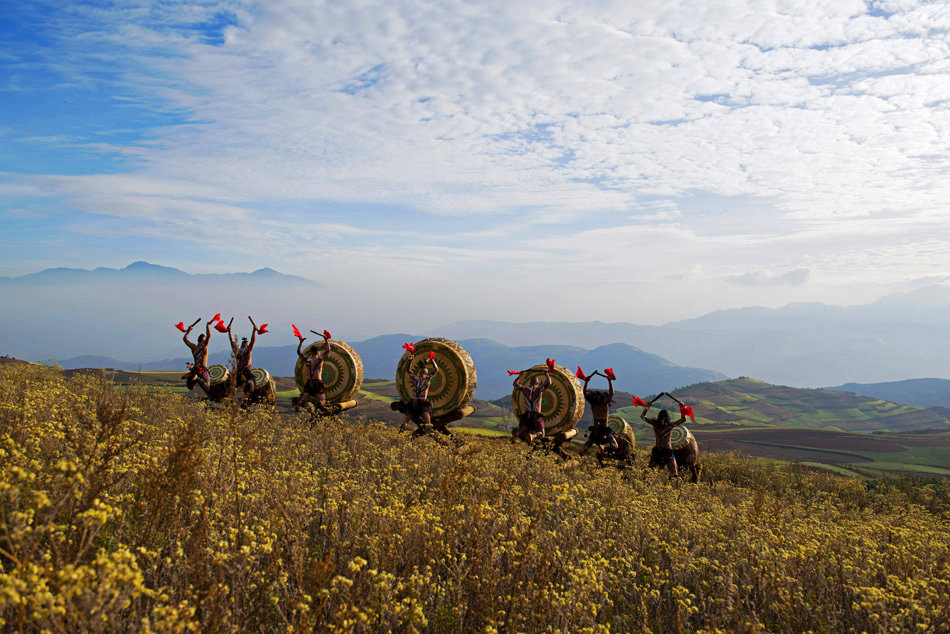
x=530, y=429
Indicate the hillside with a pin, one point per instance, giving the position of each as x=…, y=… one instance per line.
x=748, y=402
x=154, y=509
x=921, y=392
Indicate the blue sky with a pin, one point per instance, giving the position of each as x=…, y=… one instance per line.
x=622, y=161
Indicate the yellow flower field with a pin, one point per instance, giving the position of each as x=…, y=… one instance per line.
x=138, y=510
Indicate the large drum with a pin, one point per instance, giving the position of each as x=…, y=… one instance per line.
x=453, y=387
x=261, y=377
x=220, y=387
x=219, y=374
x=342, y=371
x=562, y=404
x=265, y=388
x=680, y=437
x=622, y=429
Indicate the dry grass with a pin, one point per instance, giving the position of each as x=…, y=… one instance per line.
x=139, y=510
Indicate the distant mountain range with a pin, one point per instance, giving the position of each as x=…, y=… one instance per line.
x=804, y=345
x=128, y=313
x=637, y=371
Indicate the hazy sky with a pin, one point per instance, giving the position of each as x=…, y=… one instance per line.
x=636, y=161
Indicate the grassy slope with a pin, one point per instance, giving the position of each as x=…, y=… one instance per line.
x=747, y=401
x=123, y=508
x=739, y=405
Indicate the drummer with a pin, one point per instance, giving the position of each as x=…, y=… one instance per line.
x=662, y=453
x=314, y=391
x=419, y=408
x=600, y=433
x=242, y=358
x=531, y=422
x=198, y=371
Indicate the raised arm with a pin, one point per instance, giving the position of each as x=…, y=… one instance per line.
x=253, y=334
x=547, y=380
x=610, y=389
x=232, y=339
x=681, y=404
x=190, y=345
x=208, y=331
x=646, y=409
x=435, y=367
x=326, y=353
x=300, y=349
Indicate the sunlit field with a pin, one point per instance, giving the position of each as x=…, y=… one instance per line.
x=144, y=510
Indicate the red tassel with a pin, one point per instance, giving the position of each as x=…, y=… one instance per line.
x=181, y=326
x=550, y=363
x=610, y=374
x=580, y=374
x=431, y=355
x=262, y=329
x=326, y=333
x=686, y=410
x=220, y=327
x=216, y=317
x=410, y=347
x=296, y=331
x=513, y=372
x=638, y=401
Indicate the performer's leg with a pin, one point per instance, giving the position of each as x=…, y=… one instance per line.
x=671, y=465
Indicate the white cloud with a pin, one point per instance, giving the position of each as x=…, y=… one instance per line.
x=820, y=129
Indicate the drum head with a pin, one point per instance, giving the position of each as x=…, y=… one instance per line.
x=219, y=374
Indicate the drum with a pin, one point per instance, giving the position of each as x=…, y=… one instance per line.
x=219, y=374
x=680, y=437
x=453, y=387
x=622, y=428
x=342, y=371
x=562, y=404
x=261, y=377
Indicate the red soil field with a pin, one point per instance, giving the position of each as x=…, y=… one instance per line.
x=817, y=439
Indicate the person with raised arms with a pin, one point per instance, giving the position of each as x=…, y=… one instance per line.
x=242, y=357
x=531, y=422
x=600, y=433
x=313, y=388
x=662, y=453
x=420, y=409
x=198, y=370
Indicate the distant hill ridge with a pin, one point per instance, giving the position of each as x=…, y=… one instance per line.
x=928, y=392
x=142, y=269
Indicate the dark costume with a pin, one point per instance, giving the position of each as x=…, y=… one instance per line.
x=314, y=387
x=419, y=406
x=532, y=421
x=661, y=456
x=197, y=373
x=601, y=435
